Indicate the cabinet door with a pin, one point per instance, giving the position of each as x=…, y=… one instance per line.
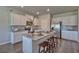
x=11, y=17
x=66, y=20
x=70, y=35
x=15, y=19
x=70, y=20
x=22, y=20
x=73, y=20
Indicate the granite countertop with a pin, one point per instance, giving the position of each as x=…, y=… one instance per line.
x=70, y=28
x=37, y=37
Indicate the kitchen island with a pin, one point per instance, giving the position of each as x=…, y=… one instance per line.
x=31, y=41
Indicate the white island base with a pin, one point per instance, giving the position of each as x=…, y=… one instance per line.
x=30, y=43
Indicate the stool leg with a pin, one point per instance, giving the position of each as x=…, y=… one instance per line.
x=39, y=49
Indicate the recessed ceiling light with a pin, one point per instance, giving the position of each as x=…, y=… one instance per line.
x=37, y=12
x=48, y=10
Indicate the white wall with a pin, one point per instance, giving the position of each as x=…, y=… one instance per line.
x=45, y=22
x=4, y=25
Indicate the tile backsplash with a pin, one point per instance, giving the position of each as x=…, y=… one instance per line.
x=16, y=28
x=70, y=28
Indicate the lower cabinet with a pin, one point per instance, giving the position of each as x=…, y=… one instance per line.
x=16, y=37
x=70, y=35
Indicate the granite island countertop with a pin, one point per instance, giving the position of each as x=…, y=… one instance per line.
x=37, y=36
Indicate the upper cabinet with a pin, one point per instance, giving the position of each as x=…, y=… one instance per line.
x=22, y=20
x=17, y=19
x=66, y=19
x=69, y=20
x=73, y=20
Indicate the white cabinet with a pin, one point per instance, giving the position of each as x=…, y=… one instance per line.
x=17, y=19
x=73, y=20
x=22, y=20
x=66, y=19
x=17, y=36
x=70, y=20
x=70, y=35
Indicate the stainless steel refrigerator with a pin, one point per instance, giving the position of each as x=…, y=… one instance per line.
x=57, y=27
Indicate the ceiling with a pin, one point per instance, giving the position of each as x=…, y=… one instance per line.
x=42, y=9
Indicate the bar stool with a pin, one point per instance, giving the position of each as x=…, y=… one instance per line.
x=55, y=42
x=44, y=47
x=51, y=44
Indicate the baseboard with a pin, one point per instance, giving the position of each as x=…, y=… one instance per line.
x=4, y=43
x=72, y=40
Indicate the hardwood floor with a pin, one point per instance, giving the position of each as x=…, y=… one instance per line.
x=66, y=47
x=9, y=48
